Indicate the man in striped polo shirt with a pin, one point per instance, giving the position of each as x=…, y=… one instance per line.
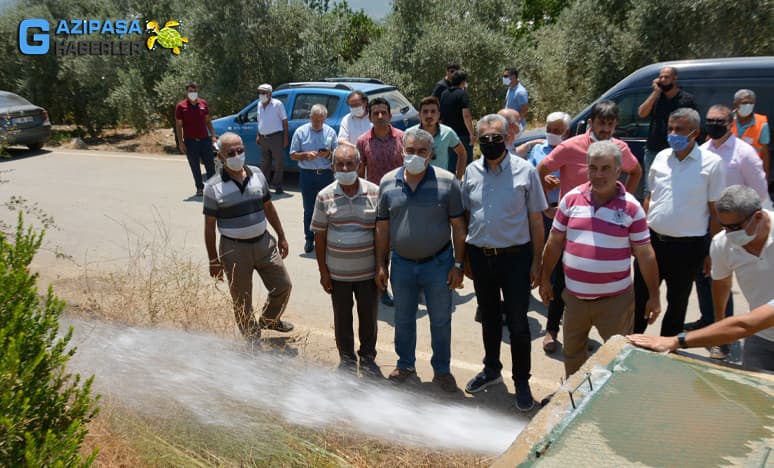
x=343, y=222
x=238, y=202
x=599, y=225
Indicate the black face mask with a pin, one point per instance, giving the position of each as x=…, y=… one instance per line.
x=492, y=150
x=666, y=87
x=716, y=131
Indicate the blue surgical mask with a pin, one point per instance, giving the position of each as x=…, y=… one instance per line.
x=679, y=142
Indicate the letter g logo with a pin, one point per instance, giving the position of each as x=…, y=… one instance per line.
x=39, y=44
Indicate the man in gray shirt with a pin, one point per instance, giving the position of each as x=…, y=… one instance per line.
x=504, y=201
x=418, y=204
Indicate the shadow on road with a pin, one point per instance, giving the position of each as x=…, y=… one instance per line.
x=15, y=154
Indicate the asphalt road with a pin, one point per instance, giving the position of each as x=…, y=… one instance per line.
x=106, y=204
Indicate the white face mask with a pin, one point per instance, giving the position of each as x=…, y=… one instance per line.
x=357, y=111
x=414, y=164
x=740, y=237
x=193, y=95
x=506, y=81
x=745, y=110
x=236, y=163
x=346, y=178
x=553, y=139
x=264, y=98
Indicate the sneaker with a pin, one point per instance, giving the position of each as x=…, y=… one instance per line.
x=446, y=381
x=690, y=326
x=524, y=399
x=400, y=375
x=347, y=365
x=369, y=367
x=387, y=299
x=719, y=352
x=276, y=325
x=199, y=192
x=550, y=344
x=481, y=381
x=309, y=246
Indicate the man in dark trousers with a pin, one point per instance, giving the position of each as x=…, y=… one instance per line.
x=192, y=122
x=455, y=113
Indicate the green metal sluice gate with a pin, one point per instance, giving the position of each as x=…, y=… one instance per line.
x=650, y=409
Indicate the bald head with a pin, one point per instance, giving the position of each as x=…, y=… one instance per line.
x=230, y=139
x=514, y=123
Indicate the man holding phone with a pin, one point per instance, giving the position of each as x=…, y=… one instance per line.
x=312, y=147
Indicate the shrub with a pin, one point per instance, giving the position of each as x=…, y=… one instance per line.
x=43, y=409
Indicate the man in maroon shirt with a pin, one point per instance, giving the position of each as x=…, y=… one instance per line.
x=192, y=121
x=381, y=148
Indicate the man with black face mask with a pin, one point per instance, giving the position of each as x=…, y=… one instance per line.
x=504, y=202
x=665, y=98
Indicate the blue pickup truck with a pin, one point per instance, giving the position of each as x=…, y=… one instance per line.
x=299, y=98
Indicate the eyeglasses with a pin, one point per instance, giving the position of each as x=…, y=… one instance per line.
x=234, y=152
x=491, y=138
x=717, y=122
x=738, y=226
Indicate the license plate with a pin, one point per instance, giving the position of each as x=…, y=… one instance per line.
x=23, y=120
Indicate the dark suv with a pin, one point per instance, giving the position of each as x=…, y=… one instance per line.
x=299, y=98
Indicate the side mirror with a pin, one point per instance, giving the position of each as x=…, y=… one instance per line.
x=403, y=110
x=239, y=118
x=581, y=127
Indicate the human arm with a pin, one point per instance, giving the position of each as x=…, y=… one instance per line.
x=459, y=232
x=551, y=253
x=766, y=157
x=646, y=259
x=210, y=128
x=285, y=133
x=524, y=149
x=179, y=132
x=537, y=235
x=719, y=333
x=381, y=248
x=523, y=108
x=630, y=166
x=647, y=107
x=320, y=245
x=361, y=168
x=721, y=290
x=753, y=174
x=462, y=160
x=467, y=117
x=216, y=269
x=273, y=218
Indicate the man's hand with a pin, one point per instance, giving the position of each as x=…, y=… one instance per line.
x=535, y=272
x=282, y=245
x=325, y=281
x=707, y=268
x=656, y=87
x=468, y=270
x=550, y=212
x=454, y=278
x=652, y=309
x=381, y=277
x=655, y=343
x=181, y=146
x=258, y=139
x=551, y=182
x=285, y=143
x=546, y=291
x=216, y=269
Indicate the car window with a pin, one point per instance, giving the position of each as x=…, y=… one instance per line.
x=630, y=125
x=395, y=98
x=252, y=113
x=304, y=102
x=8, y=100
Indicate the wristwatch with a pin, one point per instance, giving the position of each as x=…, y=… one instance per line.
x=459, y=265
x=681, y=340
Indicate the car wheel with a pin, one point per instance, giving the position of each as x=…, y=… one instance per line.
x=35, y=146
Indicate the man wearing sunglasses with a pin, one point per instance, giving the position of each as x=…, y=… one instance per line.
x=239, y=203
x=504, y=203
x=745, y=246
x=743, y=167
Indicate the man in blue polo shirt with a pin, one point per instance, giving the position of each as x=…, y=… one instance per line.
x=312, y=146
x=417, y=205
x=238, y=202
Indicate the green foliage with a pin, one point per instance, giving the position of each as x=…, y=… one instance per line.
x=43, y=409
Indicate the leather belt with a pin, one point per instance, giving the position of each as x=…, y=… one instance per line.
x=251, y=240
x=494, y=251
x=271, y=134
x=432, y=257
x=665, y=238
x=317, y=171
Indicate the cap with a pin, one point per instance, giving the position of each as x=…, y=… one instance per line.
x=265, y=87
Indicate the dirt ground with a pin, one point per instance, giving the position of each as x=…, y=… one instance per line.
x=158, y=141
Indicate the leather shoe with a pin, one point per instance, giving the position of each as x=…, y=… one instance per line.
x=276, y=325
x=549, y=342
x=309, y=246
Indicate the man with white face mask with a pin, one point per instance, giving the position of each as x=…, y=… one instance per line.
x=745, y=246
x=343, y=222
x=272, y=136
x=419, y=216
x=239, y=203
x=752, y=128
x=192, y=124
x=356, y=122
x=516, y=97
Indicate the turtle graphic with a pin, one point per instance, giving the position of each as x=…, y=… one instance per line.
x=167, y=37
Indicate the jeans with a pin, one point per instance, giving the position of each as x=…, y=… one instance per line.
x=508, y=273
x=311, y=183
x=465, y=140
x=758, y=353
x=648, y=157
x=200, y=151
x=556, y=306
x=408, y=278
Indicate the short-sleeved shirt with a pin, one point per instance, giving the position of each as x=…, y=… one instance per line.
x=763, y=139
x=194, y=117
x=538, y=153
x=443, y=139
x=440, y=87
x=351, y=128
x=681, y=190
x=742, y=164
x=753, y=273
x=499, y=201
x=597, y=253
x=515, y=97
x=238, y=207
x=380, y=155
x=570, y=158
x=453, y=100
x=419, y=219
x=659, y=115
x=270, y=117
x=307, y=138
x=350, y=223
